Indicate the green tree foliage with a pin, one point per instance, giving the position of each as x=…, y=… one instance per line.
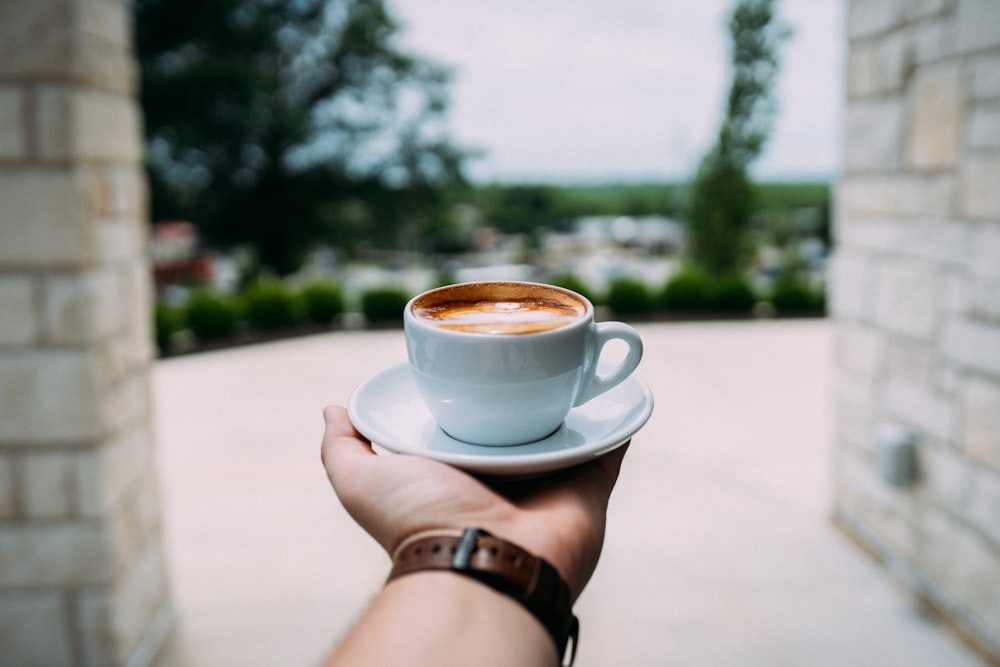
x=271, y=123
x=722, y=195
x=509, y=205
x=523, y=208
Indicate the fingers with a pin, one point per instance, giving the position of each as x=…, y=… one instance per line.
x=611, y=464
x=600, y=475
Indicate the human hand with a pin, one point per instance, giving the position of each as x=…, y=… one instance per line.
x=394, y=497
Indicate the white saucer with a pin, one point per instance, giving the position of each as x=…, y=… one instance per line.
x=388, y=410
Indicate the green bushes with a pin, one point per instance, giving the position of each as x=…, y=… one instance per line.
x=687, y=291
x=167, y=322
x=266, y=307
x=270, y=306
x=384, y=305
x=322, y=302
x=732, y=294
x=629, y=296
x=793, y=296
x=211, y=316
x=693, y=291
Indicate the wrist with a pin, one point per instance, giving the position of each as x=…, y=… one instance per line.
x=573, y=570
x=438, y=618
x=502, y=566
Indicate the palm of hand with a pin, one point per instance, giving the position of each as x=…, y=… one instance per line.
x=560, y=518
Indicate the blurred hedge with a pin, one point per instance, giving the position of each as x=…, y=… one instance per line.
x=630, y=296
x=384, y=305
x=687, y=291
x=694, y=291
x=211, y=315
x=270, y=305
x=322, y=301
x=167, y=322
x=794, y=296
x=732, y=294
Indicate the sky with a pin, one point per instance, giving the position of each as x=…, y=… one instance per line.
x=621, y=90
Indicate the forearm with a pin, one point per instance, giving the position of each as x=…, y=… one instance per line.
x=445, y=619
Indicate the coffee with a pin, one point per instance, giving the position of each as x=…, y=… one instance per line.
x=503, y=363
x=499, y=309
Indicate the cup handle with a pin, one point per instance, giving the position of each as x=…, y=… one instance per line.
x=594, y=384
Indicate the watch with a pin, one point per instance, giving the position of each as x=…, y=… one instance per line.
x=503, y=566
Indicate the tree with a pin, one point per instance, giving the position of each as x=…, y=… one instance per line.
x=523, y=208
x=722, y=194
x=263, y=117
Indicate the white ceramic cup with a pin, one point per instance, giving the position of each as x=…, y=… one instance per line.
x=510, y=388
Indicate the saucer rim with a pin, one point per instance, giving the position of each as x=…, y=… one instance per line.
x=502, y=460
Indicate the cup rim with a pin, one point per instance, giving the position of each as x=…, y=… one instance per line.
x=411, y=319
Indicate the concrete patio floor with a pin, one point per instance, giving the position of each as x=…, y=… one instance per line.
x=719, y=548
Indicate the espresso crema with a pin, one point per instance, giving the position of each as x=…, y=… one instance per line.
x=500, y=313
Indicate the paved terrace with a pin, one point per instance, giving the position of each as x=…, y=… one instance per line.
x=719, y=549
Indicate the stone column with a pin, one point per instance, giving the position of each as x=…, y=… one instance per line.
x=82, y=575
x=916, y=300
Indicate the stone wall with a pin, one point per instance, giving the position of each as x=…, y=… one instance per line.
x=916, y=298
x=82, y=577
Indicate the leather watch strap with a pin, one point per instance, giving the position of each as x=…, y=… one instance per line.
x=503, y=566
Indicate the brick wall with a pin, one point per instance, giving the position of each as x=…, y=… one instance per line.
x=82, y=577
x=916, y=297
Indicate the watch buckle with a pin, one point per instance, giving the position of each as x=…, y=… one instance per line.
x=466, y=547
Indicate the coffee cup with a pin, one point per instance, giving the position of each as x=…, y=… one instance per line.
x=504, y=362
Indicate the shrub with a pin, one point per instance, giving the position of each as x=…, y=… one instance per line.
x=732, y=294
x=211, y=315
x=571, y=282
x=793, y=296
x=687, y=291
x=322, y=302
x=270, y=305
x=384, y=304
x=628, y=296
x=167, y=321
x=819, y=301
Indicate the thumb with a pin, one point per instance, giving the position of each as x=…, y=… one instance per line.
x=342, y=446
